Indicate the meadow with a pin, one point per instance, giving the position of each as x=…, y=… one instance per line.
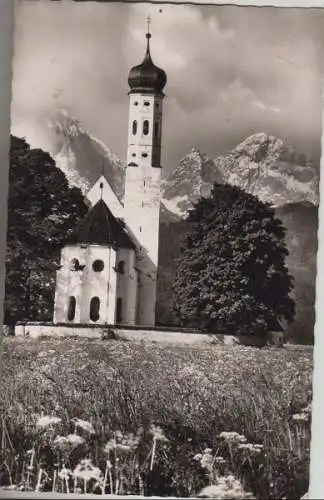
x=149, y=418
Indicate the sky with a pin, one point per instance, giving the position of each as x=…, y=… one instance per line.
x=232, y=71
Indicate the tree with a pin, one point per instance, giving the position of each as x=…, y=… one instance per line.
x=42, y=209
x=232, y=275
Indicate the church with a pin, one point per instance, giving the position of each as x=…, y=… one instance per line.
x=108, y=269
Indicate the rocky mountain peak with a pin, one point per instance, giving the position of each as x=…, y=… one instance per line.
x=81, y=156
x=265, y=166
x=261, y=164
x=65, y=126
x=190, y=180
x=259, y=146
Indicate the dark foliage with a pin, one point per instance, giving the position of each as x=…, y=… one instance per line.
x=232, y=275
x=42, y=208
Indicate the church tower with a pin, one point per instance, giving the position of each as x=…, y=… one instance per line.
x=143, y=176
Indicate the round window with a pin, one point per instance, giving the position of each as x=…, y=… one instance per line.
x=98, y=266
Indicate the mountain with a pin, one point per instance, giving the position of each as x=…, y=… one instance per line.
x=81, y=156
x=191, y=179
x=261, y=165
x=265, y=166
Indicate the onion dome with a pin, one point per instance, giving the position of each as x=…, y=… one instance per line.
x=146, y=76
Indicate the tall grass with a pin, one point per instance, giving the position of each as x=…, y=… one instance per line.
x=193, y=394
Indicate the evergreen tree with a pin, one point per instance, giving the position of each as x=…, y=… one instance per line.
x=232, y=275
x=42, y=208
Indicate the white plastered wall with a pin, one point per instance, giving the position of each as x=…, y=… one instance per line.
x=143, y=195
x=84, y=284
x=127, y=286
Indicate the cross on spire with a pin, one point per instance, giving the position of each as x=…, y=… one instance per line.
x=149, y=21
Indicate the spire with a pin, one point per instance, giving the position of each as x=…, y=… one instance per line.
x=148, y=36
x=148, y=20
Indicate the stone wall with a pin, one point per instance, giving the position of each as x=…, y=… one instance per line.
x=176, y=336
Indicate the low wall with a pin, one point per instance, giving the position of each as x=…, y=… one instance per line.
x=34, y=330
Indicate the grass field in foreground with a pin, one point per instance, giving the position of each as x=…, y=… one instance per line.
x=193, y=393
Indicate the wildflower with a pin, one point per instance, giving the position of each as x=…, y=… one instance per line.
x=84, y=425
x=47, y=421
x=207, y=461
x=64, y=473
x=208, y=450
x=252, y=448
x=301, y=417
x=233, y=437
x=157, y=433
x=308, y=408
x=118, y=435
x=86, y=470
x=226, y=488
x=205, y=458
x=110, y=445
x=220, y=460
x=123, y=447
x=74, y=439
x=70, y=441
x=122, y=443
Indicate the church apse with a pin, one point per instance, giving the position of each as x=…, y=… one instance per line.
x=97, y=272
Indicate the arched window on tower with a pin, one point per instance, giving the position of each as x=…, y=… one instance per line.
x=146, y=127
x=94, y=308
x=134, y=128
x=71, y=309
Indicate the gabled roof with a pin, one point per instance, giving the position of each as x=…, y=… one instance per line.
x=100, y=227
x=102, y=189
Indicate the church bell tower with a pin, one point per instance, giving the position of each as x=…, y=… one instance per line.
x=143, y=176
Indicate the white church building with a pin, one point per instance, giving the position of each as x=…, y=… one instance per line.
x=108, y=270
